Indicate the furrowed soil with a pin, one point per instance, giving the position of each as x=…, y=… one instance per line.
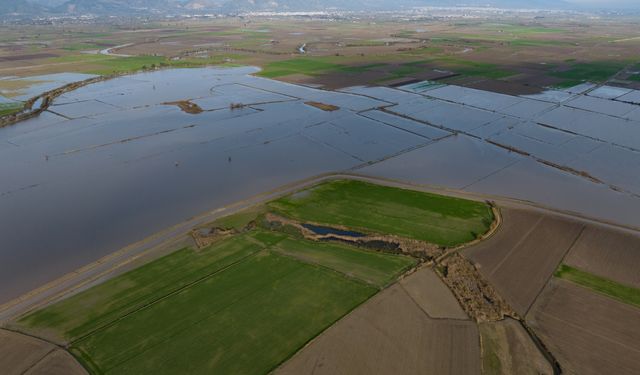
x=20, y=354
x=607, y=253
x=521, y=257
x=589, y=334
x=390, y=334
x=432, y=295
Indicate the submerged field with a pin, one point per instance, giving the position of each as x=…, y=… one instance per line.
x=249, y=301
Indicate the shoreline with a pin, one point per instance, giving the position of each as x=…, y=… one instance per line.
x=165, y=241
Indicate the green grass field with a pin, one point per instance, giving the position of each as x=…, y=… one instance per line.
x=10, y=108
x=74, y=317
x=593, y=72
x=242, y=305
x=621, y=292
x=106, y=65
x=378, y=269
x=437, y=219
x=302, y=65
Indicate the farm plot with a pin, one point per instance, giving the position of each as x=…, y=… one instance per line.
x=444, y=221
x=621, y=292
x=607, y=253
x=20, y=354
x=390, y=334
x=242, y=305
x=432, y=295
x=508, y=349
x=522, y=256
x=587, y=332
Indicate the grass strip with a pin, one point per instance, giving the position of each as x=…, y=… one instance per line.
x=602, y=285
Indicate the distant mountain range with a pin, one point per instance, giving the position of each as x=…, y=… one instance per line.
x=133, y=7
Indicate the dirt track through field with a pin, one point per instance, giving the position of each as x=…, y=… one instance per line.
x=590, y=334
x=390, y=334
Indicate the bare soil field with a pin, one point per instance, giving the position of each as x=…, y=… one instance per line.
x=607, y=253
x=390, y=334
x=432, y=295
x=521, y=257
x=588, y=333
x=59, y=362
x=20, y=354
x=507, y=349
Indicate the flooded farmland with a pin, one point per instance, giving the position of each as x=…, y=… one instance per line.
x=114, y=162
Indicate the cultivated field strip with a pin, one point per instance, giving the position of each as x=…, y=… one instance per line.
x=508, y=349
x=590, y=334
x=26, y=355
x=521, y=258
x=390, y=334
x=429, y=292
x=607, y=253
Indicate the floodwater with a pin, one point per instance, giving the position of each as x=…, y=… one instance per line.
x=323, y=231
x=109, y=164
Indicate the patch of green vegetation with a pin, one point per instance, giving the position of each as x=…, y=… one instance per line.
x=246, y=319
x=360, y=68
x=87, y=311
x=592, y=72
x=536, y=43
x=106, y=65
x=374, y=268
x=445, y=221
x=302, y=65
x=613, y=289
x=491, y=364
x=521, y=29
x=10, y=108
x=475, y=68
x=80, y=47
x=366, y=43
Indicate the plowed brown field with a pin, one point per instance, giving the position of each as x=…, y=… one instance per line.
x=589, y=334
x=521, y=257
x=607, y=253
x=390, y=334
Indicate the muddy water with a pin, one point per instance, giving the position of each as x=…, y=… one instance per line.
x=110, y=164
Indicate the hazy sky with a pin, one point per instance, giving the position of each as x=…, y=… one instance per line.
x=607, y=3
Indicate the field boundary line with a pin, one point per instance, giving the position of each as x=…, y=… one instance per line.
x=39, y=360
x=517, y=245
x=544, y=286
x=404, y=290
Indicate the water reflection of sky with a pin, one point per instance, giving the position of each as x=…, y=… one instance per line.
x=110, y=164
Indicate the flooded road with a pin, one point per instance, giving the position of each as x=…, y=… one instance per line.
x=110, y=164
